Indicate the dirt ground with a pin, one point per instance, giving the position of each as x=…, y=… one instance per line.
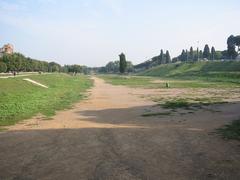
x=106, y=137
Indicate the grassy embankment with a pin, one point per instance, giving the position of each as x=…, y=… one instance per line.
x=226, y=71
x=20, y=99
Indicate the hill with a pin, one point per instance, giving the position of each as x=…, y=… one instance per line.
x=209, y=70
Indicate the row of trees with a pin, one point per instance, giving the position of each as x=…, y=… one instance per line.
x=18, y=62
x=74, y=69
x=163, y=58
x=196, y=55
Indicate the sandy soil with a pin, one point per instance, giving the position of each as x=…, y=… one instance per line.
x=105, y=137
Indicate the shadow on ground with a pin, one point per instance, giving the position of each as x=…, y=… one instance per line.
x=163, y=148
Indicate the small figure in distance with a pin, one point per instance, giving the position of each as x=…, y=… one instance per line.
x=167, y=85
x=14, y=73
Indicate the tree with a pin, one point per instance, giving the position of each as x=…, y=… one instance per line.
x=197, y=56
x=182, y=56
x=168, y=58
x=231, y=49
x=3, y=67
x=237, y=42
x=186, y=55
x=200, y=54
x=161, y=58
x=206, y=52
x=191, y=54
x=122, y=63
x=213, y=53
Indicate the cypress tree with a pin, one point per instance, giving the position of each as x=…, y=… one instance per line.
x=197, y=59
x=168, y=58
x=206, y=52
x=213, y=53
x=161, y=57
x=186, y=55
x=200, y=54
x=191, y=54
x=122, y=63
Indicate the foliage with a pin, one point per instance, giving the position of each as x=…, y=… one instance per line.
x=155, y=61
x=168, y=58
x=213, y=53
x=75, y=69
x=18, y=62
x=122, y=63
x=206, y=52
x=3, y=67
x=112, y=67
x=232, y=54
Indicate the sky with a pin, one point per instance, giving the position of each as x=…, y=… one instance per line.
x=94, y=32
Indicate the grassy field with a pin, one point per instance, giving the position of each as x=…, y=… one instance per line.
x=181, y=93
x=20, y=99
x=155, y=82
x=226, y=71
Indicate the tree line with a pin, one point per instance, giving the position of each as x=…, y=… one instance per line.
x=17, y=62
x=191, y=55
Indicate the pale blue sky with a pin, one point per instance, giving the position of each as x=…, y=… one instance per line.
x=93, y=32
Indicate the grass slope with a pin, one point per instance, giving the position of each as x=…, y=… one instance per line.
x=20, y=99
x=226, y=71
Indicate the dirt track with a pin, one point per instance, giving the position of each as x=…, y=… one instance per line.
x=105, y=137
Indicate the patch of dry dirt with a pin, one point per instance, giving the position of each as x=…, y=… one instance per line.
x=105, y=137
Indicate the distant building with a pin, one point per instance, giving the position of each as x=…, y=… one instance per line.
x=6, y=49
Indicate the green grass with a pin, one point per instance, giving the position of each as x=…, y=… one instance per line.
x=179, y=103
x=148, y=82
x=188, y=102
x=230, y=131
x=132, y=81
x=223, y=72
x=20, y=99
